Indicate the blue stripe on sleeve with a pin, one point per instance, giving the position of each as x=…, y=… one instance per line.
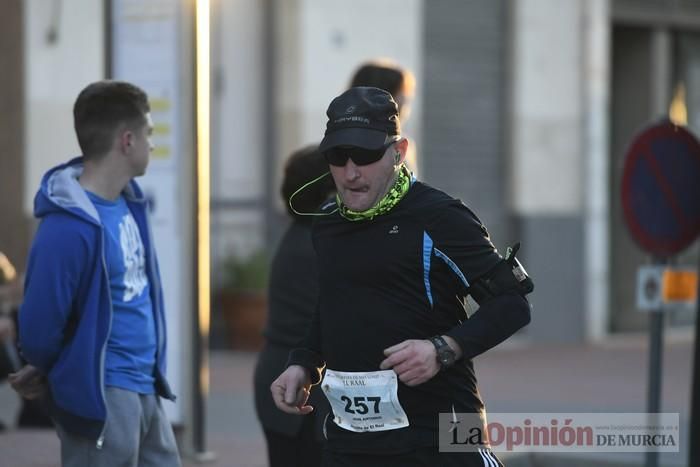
x=452, y=266
x=427, y=254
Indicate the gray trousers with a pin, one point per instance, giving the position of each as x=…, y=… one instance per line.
x=137, y=434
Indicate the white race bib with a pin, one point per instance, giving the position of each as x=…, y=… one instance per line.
x=364, y=401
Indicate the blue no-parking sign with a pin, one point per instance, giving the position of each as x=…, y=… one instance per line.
x=661, y=189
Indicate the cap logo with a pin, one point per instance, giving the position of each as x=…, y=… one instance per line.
x=350, y=109
x=352, y=119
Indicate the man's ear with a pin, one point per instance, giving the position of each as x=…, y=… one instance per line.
x=401, y=149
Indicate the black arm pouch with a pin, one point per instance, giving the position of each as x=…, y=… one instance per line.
x=507, y=276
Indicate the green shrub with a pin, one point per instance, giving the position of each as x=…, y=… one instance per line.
x=248, y=273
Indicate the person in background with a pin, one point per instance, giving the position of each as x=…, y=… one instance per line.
x=293, y=291
x=8, y=299
x=388, y=75
x=33, y=412
x=92, y=324
x=398, y=81
x=8, y=354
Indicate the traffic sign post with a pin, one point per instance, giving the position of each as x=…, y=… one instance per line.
x=656, y=347
x=694, y=455
x=661, y=205
x=649, y=298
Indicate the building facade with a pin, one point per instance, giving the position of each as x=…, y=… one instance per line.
x=524, y=110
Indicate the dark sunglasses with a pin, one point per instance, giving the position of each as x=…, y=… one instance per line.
x=339, y=155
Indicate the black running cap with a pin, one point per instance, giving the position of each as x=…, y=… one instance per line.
x=362, y=117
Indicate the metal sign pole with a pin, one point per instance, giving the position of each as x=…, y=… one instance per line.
x=694, y=455
x=656, y=334
x=659, y=187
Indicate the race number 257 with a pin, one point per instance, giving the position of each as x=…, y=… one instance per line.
x=357, y=405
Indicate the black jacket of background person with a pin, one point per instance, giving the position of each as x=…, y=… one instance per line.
x=400, y=276
x=292, y=297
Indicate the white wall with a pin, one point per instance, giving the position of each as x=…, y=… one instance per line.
x=323, y=42
x=596, y=91
x=238, y=108
x=55, y=73
x=237, y=62
x=318, y=46
x=547, y=107
x=561, y=81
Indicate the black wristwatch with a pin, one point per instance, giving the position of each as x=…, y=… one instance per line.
x=446, y=357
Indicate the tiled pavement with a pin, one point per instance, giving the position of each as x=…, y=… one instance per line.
x=610, y=376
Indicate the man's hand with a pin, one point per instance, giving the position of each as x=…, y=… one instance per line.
x=415, y=361
x=29, y=382
x=291, y=390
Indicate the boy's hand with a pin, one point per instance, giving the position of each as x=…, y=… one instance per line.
x=29, y=382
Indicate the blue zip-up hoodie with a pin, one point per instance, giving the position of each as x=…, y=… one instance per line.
x=66, y=316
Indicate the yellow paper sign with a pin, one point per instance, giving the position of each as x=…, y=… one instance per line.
x=680, y=285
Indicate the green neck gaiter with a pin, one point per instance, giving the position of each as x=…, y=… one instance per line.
x=393, y=196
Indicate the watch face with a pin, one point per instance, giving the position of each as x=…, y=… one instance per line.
x=447, y=357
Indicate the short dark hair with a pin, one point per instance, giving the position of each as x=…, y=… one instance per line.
x=301, y=167
x=384, y=75
x=102, y=108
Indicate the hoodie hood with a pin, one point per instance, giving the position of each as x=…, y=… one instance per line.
x=60, y=191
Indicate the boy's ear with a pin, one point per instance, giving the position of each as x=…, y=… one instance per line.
x=125, y=140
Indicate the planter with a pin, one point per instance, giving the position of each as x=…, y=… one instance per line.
x=245, y=315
